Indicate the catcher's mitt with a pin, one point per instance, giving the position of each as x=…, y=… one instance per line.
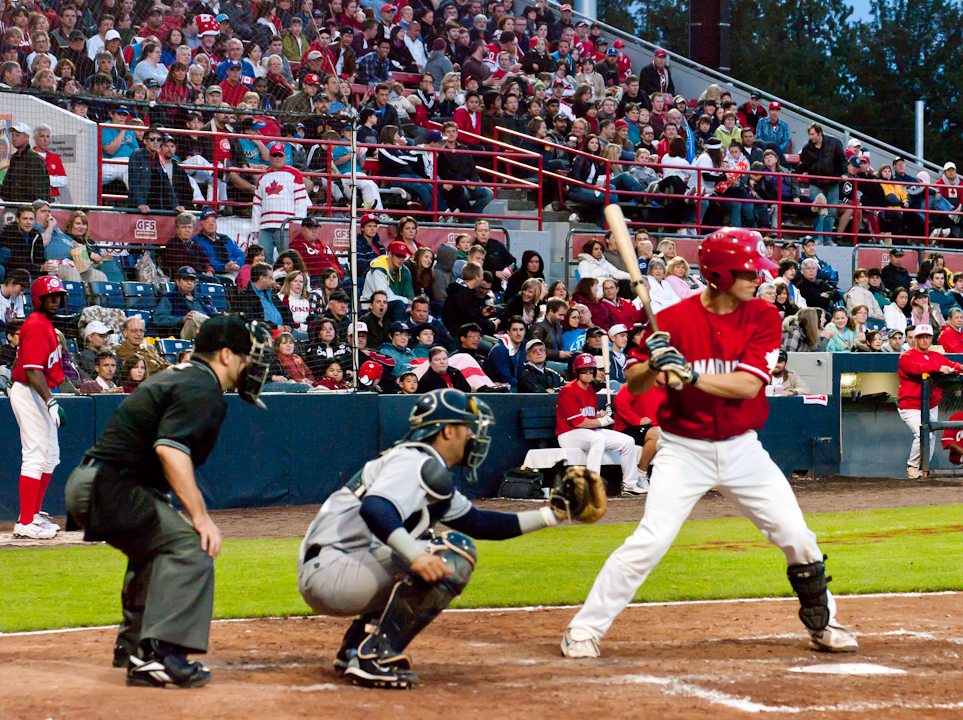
x=579, y=495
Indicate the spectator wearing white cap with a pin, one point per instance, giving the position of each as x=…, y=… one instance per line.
x=27, y=178
x=96, y=341
x=949, y=187
x=536, y=376
x=912, y=365
x=619, y=337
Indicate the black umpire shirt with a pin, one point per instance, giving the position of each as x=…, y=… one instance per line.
x=182, y=407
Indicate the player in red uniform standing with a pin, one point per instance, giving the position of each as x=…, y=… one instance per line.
x=578, y=424
x=912, y=364
x=723, y=344
x=38, y=414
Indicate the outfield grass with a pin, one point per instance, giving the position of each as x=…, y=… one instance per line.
x=916, y=549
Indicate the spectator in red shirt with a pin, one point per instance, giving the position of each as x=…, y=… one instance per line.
x=317, y=254
x=635, y=416
x=468, y=117
x=951, y=336
x=233, y=89
x=55, y=166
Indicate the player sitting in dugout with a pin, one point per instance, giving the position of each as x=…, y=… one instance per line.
x=371, y=551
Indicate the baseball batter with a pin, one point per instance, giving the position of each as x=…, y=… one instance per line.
x=578, y=424
x=912, y=365
x=371, y=551
x=723, y=344
x=38, y=414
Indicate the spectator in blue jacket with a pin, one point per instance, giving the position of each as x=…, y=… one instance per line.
x=397, y=348
x=150, y=187
x=223, y=254
x=774, y=133
x=826, y=271
x=507, y=359
x=181, y=311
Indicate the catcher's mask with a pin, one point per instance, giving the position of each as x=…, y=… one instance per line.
x=449, y=406
x=252, y=339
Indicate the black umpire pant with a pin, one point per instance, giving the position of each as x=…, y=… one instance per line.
x=168, y=590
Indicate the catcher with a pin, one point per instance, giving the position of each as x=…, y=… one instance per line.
x=371, y=551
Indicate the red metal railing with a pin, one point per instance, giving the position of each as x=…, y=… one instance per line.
x=696, y=191
x=503, y=152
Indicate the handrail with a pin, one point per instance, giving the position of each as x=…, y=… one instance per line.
x=747, y=88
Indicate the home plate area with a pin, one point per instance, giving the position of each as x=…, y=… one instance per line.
x=682, y=660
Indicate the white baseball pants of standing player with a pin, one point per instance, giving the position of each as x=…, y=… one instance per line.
x=683, y=471
x=38, y=434
x=596, y=442
x=914, y=420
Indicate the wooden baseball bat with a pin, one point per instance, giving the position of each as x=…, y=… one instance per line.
x=620, y=231
x=607, y=367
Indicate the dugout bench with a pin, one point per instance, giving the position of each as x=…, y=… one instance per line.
x=538, y=427
x=950, y=404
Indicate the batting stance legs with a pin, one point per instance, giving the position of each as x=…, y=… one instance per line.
x=684, y=470
x=596, y=442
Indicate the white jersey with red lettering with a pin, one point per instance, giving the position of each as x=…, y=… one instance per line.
x=747, y=339
x=39, y=350
x=280, y=196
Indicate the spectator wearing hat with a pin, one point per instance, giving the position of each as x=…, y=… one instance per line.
x=657, y=77
x=949, y=186
x=536, y=376
x=370, y=246
x=259, y=300
x=397, y=348
x=506, y=358
x=420, y=315
x=785, y=381
x=337, y=311
x=117, y=144
x=441, y=374
x=619, y=339
x=280, y=196
x=316, y=253
x=181, y=311
x=394, y=279
x=751, y=112
x=27, y=178
x=305, y=101
x=234, y=90
x=913, y=364
x=76, y=52
x=221, y=254
x=96, y=341
x=894, y=342
x=894, y=274
x=773, y=133
x=150, y=186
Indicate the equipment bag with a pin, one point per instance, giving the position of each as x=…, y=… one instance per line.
x=521, y=484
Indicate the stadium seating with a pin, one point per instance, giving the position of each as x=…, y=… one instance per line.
x=108, y=294
x=139, y=296
x=169, y=348
x=216, y=294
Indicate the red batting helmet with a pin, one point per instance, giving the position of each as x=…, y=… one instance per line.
x=46, y=285
x=729, y=250
x=582, y=361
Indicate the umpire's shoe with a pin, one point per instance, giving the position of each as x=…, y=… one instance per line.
x=153, y=665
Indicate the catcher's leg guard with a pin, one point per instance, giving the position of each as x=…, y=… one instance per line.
x=810, y=583
x=412, y=606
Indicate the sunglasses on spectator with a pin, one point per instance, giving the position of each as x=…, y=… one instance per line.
x=154, y=138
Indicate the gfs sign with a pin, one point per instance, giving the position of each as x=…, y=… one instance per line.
x=145, y=229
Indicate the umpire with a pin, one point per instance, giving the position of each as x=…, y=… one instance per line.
x=119, y=494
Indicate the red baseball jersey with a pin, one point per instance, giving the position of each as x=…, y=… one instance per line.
x=953, y=436
x=630, y=409
x=39, y=350
x=574, y=405
x=746, y=339
x=912, y=365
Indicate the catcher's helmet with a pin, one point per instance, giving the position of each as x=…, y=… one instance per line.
x=732, y=249
x=453, y=407
x=46, y=285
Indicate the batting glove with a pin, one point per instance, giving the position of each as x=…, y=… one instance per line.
x=665, y=356
x=657, y=341
x=56, y=412
x=684, y=372
x=605, y=420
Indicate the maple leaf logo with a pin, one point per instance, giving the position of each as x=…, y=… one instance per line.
x=274, y=188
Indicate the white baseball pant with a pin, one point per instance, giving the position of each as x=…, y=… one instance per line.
x=596, y=442
x=343, y=584
x=683, y=471
x=112, y=171
x=914, y=420
x=38, y=434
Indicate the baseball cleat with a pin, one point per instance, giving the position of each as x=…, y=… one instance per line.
x=121, y=656
x=173, y=670
x=43, y=519
x=368, y=672
x=33, y=531
x=579, y=643
x=633, y=491
x=834, y=638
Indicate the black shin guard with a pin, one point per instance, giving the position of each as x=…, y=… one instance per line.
x=414, y=603
x=810, y=583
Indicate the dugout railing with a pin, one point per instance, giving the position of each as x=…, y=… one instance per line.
x=951, y=402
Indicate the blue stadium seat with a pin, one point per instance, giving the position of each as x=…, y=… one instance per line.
x=76, y=299
x=108, y=294
x=216, y=294
x=139, y=296
x=71, y=346
x=147, y=316
x=27, y=304
x=172, y=347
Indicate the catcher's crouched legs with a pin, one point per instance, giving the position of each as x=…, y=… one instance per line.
x=413, y=604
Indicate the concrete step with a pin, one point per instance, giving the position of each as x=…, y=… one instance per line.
x=522, y=205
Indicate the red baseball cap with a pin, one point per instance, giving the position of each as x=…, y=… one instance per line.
x=398, y=248
x=311, y=79
x=276, y=148
x=370, y=217
x=566, y=7
x=621, y=123
x=618, y=44
x=661, y=53
x=583, y=361
x=388, y=7
x=775, y=106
